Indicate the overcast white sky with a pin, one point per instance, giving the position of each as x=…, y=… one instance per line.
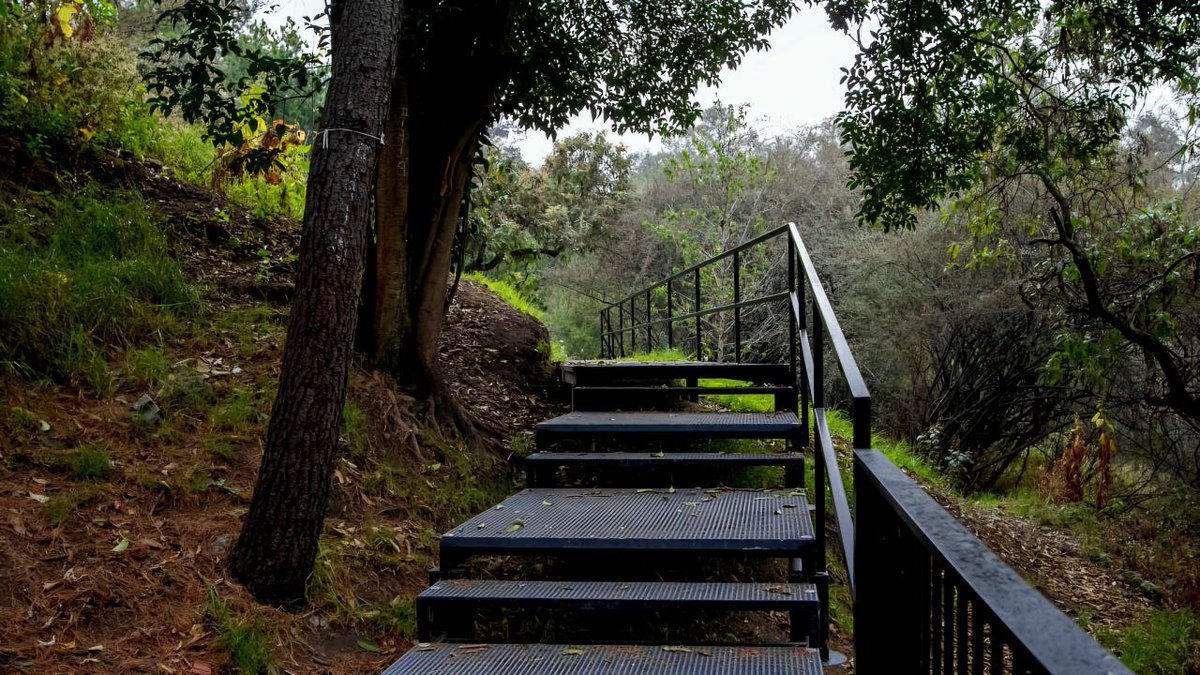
x=792, y=84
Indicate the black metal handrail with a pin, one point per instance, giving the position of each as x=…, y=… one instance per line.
x=934, y=599
x=806, y=349
x=928, y=596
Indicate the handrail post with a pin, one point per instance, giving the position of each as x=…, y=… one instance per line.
x=603, y=349
x=818, y=333
x=793, y=320
x=737, y=310
x=633, y=324
x=699, y=353
x=649, y=334
x=860, y=409
x=805, y=400
x=670, y=317
x=621, y=328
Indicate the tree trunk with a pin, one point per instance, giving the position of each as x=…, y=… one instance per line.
x=441, y=101
x=274, y=555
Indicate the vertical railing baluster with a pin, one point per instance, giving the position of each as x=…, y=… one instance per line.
x=670, y=316
x=699, y=344
x=924, y=627
x=960, y=631
x=737, y=310
x=935, y=617
x=948, y=625
x=976, y=639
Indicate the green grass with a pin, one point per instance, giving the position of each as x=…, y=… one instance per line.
x=355, y=425
x=91, y=462
x=1166, y=643
x=657, y=356
x=59, y=509
x=238, y=413
x=82, y=273
x=148, y=368
x=510, y=294
x=247, y=643
x=743, y=403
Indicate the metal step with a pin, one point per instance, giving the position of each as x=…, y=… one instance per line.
x=552, y=521
x=673, y=425
x=541, y=467
x=649, y=398
x=600, y=373
x=454, y=599
x=543, y=659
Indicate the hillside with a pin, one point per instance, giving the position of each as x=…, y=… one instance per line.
x=116, y=522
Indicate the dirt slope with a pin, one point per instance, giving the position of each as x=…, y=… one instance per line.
x=111, y=574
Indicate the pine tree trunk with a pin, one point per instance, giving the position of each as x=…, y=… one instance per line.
x=278, y=544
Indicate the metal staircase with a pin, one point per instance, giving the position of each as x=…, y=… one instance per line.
x=644, y=526
x=636, y=482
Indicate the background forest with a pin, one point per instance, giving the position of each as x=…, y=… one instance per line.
x=1008, y=373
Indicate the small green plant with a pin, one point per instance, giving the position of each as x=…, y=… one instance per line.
x=330, y=584
x=197, y=480
x=221, y=447
x=354, y=429
x=59, y=509
x=399, y=618
x=148, y=369
x=91, y=462
x=247, y=643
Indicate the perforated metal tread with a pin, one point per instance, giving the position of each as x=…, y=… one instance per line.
x=540, y=659
x=637, y=459
x=608, y=372
x=549, y=520
x=600, y=594
x=673, y=424
x=665, y=397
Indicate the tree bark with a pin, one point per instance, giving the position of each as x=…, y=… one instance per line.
x=274, y=555
x=441, y=101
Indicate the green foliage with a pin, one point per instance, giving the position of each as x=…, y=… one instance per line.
x=69, y=90
x=186, y=73
x=636, y=66
x=941, y=88
x=247, y=642
x=79, y=272
x=520, y=217
x=722, y=162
